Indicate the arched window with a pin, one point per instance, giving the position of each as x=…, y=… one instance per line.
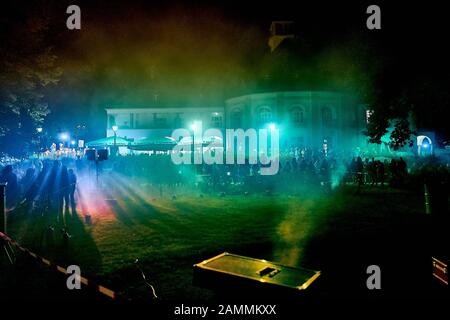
x=297, y=116
x=326, y=116
x=265, y=115
x=216, y=120
x=236, y=119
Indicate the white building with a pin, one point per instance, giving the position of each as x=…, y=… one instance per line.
x=304, y=118
x=139, y=123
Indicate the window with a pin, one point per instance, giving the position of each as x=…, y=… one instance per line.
x=111, y=121
x=216, y=120
x=123, y=120
x=143, y=121
x=297, y=116
x=178, y=121
x=236, y=119
x=265, y=115
x=326, y=116
x=160, y=120
x=132, y=120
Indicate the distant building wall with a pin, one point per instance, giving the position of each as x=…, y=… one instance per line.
x=137, y=123
x=304, y=118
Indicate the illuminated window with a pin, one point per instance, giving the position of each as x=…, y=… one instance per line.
x=216, y=120
x=265, y=115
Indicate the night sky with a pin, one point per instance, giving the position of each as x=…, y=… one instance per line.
x=128, y=53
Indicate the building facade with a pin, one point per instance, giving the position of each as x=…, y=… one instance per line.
x=304, y=118
x=140, y=123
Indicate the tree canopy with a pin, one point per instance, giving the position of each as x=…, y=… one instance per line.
x=27, y=67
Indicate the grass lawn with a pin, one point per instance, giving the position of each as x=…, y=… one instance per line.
x=340, y=234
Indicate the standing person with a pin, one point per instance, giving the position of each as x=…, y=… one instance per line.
x=372, y=171
x=63, y=194
x=79, y=165
x=294, y=164
x=287, y=167
x=393, y=172
x=29, y=185
x=380, y=172
x=65, y=188
x=54, y=189
x=359, y=173
x=12, y=187
x=72, y=188
x=42, y=188
x=401, y=171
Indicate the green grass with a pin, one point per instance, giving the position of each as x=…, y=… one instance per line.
x=340, y=231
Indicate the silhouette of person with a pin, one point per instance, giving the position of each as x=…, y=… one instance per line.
x=72, y=188
x=12, y=188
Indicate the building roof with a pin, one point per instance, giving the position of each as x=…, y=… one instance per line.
x=162, y=109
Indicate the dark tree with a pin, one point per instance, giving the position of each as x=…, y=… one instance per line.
x=27, y=67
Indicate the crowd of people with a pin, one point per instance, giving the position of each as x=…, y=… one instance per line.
x=52, y=183
x=374, y=172
x=43, y=185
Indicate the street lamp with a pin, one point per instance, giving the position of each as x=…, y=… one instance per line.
x=64, y=137
x=114, y=129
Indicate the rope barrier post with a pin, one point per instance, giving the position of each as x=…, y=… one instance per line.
x=3, y=207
